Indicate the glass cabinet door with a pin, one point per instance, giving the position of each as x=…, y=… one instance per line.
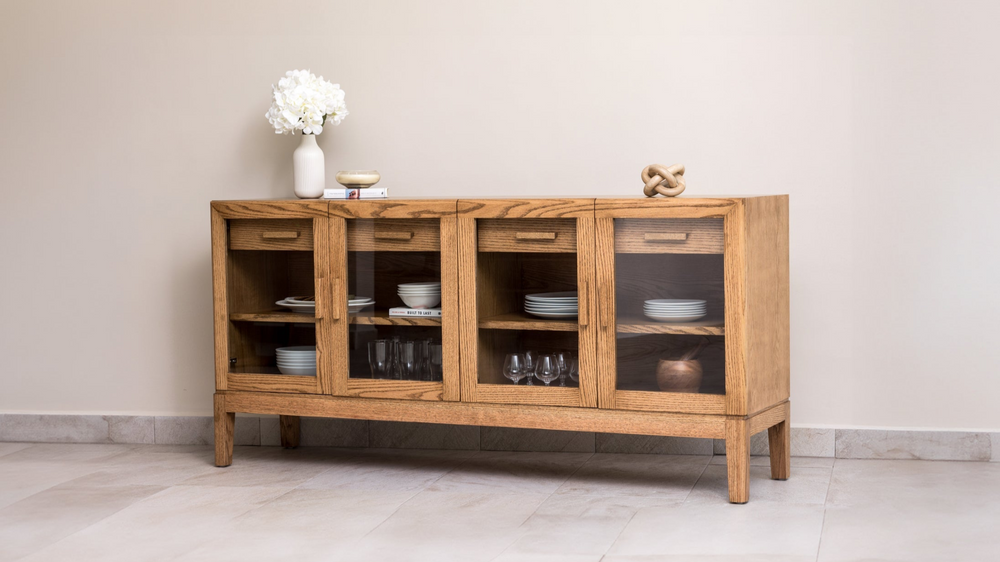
x=269, y=274
x=527, y=270
x=663, y=313
x=396, y=292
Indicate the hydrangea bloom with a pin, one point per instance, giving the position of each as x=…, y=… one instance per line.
x=303, y=102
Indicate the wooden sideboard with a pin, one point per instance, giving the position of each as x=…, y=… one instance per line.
x=488, y=254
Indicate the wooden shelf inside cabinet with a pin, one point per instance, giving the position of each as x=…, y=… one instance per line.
x=382, y=318
x=522, y=321
x=639, y=325
x=273, y=316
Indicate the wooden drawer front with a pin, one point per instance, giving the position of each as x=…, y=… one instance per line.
x=668, y=236
x=527, y=235
x=271, y=234
x=393, y=235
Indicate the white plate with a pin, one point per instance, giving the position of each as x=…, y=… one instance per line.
x=555, y=314
x=427, y=285
x=302, y=371
x=675, y=318
x=675, y=301
x=296, y=348
x=300, y=308
x=556, y=305
x=564, y=295
x=298, y=300
x=675, y=311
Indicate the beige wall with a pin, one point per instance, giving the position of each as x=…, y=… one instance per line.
x=122, y=120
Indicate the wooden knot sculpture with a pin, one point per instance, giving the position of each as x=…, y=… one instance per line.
x=667, y=181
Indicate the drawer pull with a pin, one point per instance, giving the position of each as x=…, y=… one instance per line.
x=535, y=235
x=666, y=236
x=279, y=235
x=393, y=235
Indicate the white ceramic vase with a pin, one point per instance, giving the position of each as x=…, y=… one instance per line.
x=310, y=169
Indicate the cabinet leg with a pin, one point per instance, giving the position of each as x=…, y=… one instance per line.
x=779, y=441
x=289, y=431
x=225, y=424
x=738, y=459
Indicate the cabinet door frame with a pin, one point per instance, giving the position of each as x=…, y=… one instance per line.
x=582, y=210
x=223, y=211
x=730, y=210
x=340, y=383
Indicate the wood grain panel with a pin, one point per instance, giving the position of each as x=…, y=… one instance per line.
x=671, y=402
x=660, y=207
x=272, y=209
x=669, y=236
x=290, y=431
x=252, y=382
x=450, y=309
x=779, y=441
x=271, y=234
x=382, y=318
x=538, y=394
x=525, y=208
x=393, y=208
x=586, y=281
x=636, y=325
x=768, y=418
x=394, y=235
x=738, y=459
x=607, y=339
x=275, y=317
x=219, y=301
x=524, y=235
x=393, y=389
x=767, y=301
x=225, y=428
x=522, y=321
x=326, y=352
x=468, y=315
x=339, y=319
x=736, y=328
x=497, y=415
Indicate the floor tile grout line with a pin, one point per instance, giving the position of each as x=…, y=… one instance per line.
x=700, y=474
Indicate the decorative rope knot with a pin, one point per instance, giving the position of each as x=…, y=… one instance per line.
x=667, y=181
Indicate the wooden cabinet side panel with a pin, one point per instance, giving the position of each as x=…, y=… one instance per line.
x=220, y=251
x=450, y=337
x=325, y=348
x=604, y=314
x=767, y=301
x=468, y=317
x=586, y=288
x=338, y=333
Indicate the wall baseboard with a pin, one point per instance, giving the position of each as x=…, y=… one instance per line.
x=323, y=432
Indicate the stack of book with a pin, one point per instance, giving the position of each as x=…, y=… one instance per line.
x=355, y=193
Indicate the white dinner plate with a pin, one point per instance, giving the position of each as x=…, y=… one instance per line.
x=675, y=301
x=560, y=296
x=555, y=314
x=675, y=318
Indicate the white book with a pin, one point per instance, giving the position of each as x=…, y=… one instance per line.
x=354, y=193
x=425, y=312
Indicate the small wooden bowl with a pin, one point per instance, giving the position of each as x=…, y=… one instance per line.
x=679, y=376
x=358, y=179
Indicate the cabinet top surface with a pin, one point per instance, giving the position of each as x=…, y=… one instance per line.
x=602, y=199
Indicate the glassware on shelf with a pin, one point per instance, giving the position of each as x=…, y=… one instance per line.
x=395, y=370
x=574, y=370
x=563, y=359
x=547, y=369
x=425, y=371
x=378, y=358
x=513, y=367
x=530, y=363
x=408, y=364
x=436, y=362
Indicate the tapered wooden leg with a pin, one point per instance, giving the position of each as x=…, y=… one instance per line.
x=225, y=424
x=289, y=431
x=738, y=459
x=779, y=440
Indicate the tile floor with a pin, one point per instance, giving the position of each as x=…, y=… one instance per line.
x=152, y=502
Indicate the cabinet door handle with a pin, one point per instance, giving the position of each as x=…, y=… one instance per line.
x=393, y=235
x=535, y=235
x=282, y=235
x=583, y=310
x=666, y=236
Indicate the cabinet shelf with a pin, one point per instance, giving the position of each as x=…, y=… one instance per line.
x=382, y=318
x=639, y=325
x=277, y=317
x=522, y=321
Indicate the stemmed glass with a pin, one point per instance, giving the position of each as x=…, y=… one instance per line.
x=563, y=359
x=548, y=369
x=530, y=364
x=574, y=370
x=513, y=367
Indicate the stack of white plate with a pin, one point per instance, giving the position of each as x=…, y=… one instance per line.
x=355, y=304
x=302, y=305
x=552, y=305
x=420, y=295
x=297, y=360
x=674, y=310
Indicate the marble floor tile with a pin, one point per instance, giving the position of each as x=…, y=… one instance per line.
x=19, y=480
x=915, y=484
x=302, y=525
x=696, y=528
x=446, y=526
x=53, y=514
x=925, y=445
x=797, y=462
x=669, y=476
x=495, y=472
x=8, y=448
x=271, y=467
x=806, y=486
x=145, y=467
x=388, y=470
x=160, y=527
x=61, y=453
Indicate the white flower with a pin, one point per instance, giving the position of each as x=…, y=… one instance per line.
x=303, y=102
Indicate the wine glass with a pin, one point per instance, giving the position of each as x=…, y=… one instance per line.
x=547, y=369
x=563, y=359
x=574, y=370
x=378, y=358
x=408, y=363
x=437, y=362
x=530, y=364
x=513, y=367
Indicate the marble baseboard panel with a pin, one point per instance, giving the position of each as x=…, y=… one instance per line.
x=321, y=432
